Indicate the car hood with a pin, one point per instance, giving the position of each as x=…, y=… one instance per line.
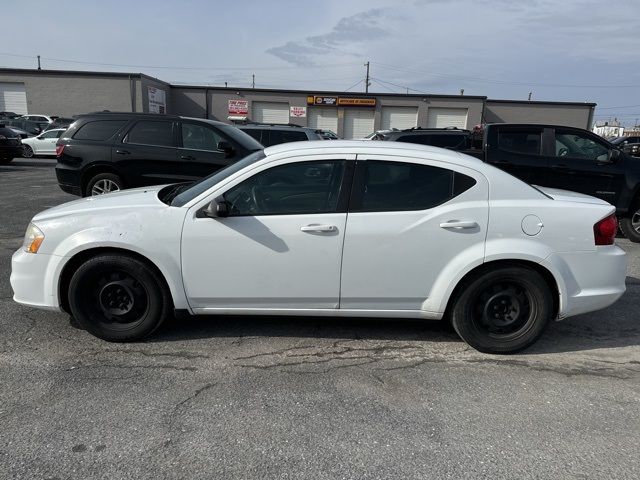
x=567, y=196
x=134, y=198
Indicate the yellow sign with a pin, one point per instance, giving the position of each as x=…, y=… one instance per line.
x=356, y=102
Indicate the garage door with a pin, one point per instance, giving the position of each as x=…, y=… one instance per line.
x=271, y=112
x=399, y=117
x=13, y=98
x=323, y=118
x=358, y=122
x=447, y=117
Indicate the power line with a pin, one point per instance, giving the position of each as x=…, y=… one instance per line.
x=622, y=106
x=354, y=85
x=382, y=85
x=498, y=82
x=330, y=65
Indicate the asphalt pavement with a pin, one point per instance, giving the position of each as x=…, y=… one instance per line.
x=307, y=398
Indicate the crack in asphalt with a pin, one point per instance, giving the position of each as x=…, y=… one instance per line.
x=80, y=366
x=180, y=354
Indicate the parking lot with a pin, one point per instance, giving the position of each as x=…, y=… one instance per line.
x=249, y=397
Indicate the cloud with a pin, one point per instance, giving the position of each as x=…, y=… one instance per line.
x=359, y=28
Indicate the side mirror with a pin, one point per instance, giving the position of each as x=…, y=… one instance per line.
x=226, y=147
x=218, y=208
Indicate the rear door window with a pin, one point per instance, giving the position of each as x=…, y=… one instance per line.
x=284, y=136
x=99, y=129
x=148, y=132
x=519, y=141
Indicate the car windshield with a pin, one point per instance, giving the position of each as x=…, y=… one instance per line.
x=195, y=189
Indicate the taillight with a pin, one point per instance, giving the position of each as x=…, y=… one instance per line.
x=605, y=230
x=59, y=149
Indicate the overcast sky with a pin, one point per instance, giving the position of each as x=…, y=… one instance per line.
x=573, y=50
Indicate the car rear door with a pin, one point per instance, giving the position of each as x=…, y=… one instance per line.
x=146, y=153
x=280, y=247
x=409, y=221
x=198, y=153
x=518, y=150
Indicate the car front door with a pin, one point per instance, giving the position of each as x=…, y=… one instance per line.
x=280, y=247
x=198, y=153
x=408, y=221
x=581, y=162
x=146, y=154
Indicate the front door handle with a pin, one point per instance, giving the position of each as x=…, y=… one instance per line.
x=187, y=157
x=123, y=152
x=314, y=227
x=459, y=224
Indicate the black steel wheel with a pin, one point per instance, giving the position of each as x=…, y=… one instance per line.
x=503, y=310
x=118, y=298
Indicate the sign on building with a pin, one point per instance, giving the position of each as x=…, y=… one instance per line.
x=157, y=100
x=340, y=101
x=298, y=112
x=238, y=107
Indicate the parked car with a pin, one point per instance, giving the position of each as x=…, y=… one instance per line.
x=60, y=122
x=451, y=138
x=19, y=132
x=43, y=144
x=337, y=228
x=629, y=145
x=4, y=115
x=552, y=156
x=31, y=126
x=103, y=152
x=10, y=146
x=271, y=134
x=327, y=134
x=38, y=118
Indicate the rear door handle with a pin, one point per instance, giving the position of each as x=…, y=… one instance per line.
x=123, y=152
x=459, y=224
x=314, y=227
x=187, y=157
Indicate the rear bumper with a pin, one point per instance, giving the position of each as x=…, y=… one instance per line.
x=69, y=180
x=590, y=280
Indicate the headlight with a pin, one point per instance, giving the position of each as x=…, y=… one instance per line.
x=32, y=239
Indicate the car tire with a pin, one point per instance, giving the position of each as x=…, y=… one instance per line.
x=630, y=226
x=103, y=183
x=118, y=298
x=27, y=151
x=502, y=311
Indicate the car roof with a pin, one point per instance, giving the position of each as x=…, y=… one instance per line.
x=272, y=126
x=160, y=116
x=318, y=147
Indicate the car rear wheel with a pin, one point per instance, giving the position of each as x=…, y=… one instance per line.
x=118, y=298
x=103, y=183
x=630, y=225
x=503, y=310
x=27, y=151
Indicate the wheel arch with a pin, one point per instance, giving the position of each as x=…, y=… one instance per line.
x=546, y=274
x=80, y=257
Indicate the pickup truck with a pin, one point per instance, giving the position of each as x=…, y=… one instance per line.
x=556, y=156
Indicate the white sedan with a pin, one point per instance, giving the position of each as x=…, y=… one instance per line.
x=43, y=144
x=343, y=228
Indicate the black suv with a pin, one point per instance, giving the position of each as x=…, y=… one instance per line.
x=273, y=134
x=451, y=138
x=104, y=152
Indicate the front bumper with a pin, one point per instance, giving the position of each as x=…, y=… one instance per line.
x=32, y=280
x=590, y=280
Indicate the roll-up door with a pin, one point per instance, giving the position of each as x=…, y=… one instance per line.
x=13, y=98
x=323, y=118
x=399, y=117
x=358, y=122
x=271, y=112
x=447, y=117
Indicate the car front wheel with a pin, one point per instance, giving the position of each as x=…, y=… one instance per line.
x=118, y=298
x=503, y=310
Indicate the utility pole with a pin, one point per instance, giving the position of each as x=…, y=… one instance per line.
x=38, y=62
x=366, y=80
x=530, y=93
x=253, y=81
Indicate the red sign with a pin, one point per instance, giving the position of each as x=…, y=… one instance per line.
x=238, y=107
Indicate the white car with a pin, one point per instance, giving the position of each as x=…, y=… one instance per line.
x=342, y=228
x=43, y=144
x=38, y=118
